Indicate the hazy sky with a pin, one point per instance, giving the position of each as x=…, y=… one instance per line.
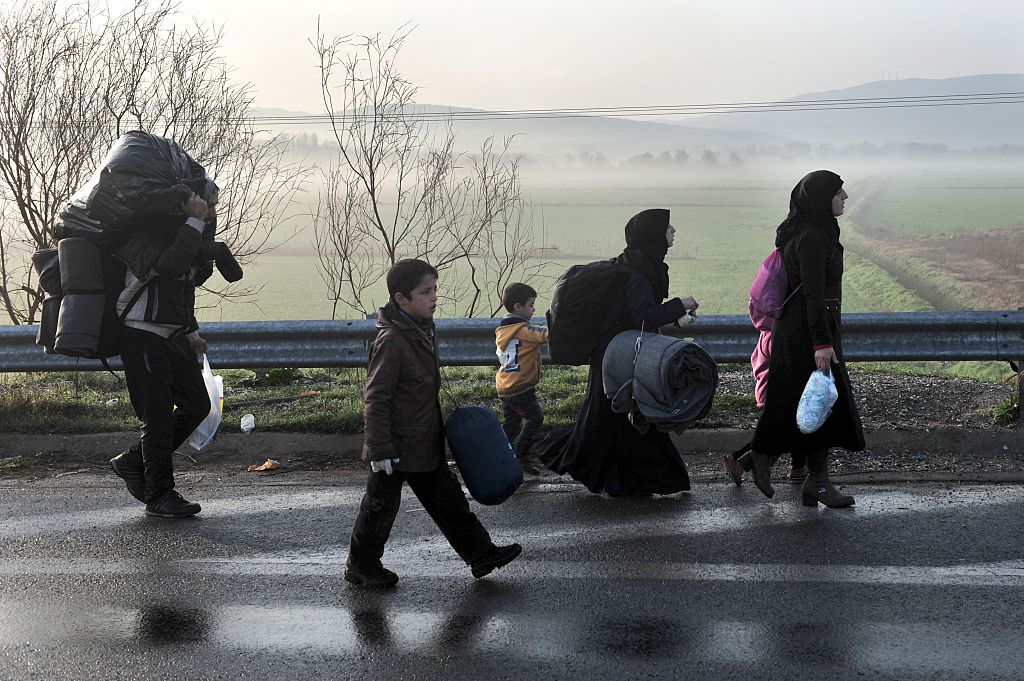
x=559, y=53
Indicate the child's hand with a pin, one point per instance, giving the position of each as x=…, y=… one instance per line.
x=385, y=465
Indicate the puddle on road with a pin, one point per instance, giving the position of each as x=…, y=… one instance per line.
x=372, y=625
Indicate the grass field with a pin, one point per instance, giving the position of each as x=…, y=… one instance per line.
x=943, y=202
x=726, y=222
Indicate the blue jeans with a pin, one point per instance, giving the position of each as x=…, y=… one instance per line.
x=523, y=418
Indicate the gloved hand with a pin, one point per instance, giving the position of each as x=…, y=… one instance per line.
x=219, y=252
x=383, y=465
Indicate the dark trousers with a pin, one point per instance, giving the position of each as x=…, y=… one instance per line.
x=442, y=498
x=169, y=397
x=523, y=418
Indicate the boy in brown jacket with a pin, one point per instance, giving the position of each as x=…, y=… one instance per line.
x=404, y=437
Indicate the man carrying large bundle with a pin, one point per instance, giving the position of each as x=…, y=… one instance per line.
x=154, y=209
x=159, y=341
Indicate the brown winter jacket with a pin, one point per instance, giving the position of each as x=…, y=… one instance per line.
x=401, y=410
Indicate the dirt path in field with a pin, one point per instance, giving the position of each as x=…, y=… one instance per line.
x=986, y=268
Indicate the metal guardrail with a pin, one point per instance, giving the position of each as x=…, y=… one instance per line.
x=996, y=335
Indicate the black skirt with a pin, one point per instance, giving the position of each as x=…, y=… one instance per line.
x=790, y=365
x=607, y=454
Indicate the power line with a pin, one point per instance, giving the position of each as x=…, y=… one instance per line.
x=975, y=99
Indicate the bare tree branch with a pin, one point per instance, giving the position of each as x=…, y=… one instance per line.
x=74, y=79
x=400, y=189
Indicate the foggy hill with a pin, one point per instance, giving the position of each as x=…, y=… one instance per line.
x=954, y=126
x=616, y=138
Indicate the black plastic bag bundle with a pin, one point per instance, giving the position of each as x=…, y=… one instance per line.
x=142, y=173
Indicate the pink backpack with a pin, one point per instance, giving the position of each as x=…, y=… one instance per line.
x=768, y=292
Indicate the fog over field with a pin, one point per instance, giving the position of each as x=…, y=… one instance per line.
x=933, y=222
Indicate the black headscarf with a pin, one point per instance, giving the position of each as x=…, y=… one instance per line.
x=810, y=206
x=646, y=248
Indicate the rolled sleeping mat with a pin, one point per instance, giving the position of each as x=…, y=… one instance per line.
x=483, y=454
x=672, y=381
x=46, y=336
x=678, y=376
x=81, y=265
x=617, y=368
x=47, y=267
x=79, y=324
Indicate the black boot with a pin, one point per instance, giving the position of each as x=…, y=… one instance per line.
x=817, y=487
x=762, y=472
x=496, y=557
x=170, y=504
x=378, y=577
x=128, y=467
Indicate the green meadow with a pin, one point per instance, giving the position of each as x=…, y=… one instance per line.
x=726, y=221
x=726, y=225
x=945, y=202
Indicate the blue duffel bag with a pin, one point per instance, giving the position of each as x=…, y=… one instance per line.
x=482, y=452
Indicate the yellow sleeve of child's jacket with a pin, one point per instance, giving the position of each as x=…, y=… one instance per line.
x=532, y=334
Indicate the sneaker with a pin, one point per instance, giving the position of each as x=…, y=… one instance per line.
x=734, y=468
x=797, y=474
x=132, y=476
x=376, y=578
x=496, y=557
x=527, y=465
x=172, y=505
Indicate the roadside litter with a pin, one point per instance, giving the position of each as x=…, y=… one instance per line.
x=268, y=465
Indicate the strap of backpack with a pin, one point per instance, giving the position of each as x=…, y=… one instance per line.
x=120, y=320
x=134, y=299
x=790, y=296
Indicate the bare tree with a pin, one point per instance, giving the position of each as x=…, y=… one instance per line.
x=400, y=189
x=73, y=79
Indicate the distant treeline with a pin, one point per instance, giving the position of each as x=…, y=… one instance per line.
x=312, y=145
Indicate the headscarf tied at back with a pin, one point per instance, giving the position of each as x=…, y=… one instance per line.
x=810, y=206
x=646, y=248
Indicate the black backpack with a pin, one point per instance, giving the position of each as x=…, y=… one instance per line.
x=577, y=310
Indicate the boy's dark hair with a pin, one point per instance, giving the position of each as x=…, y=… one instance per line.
x=517, y=293
x=406, y=274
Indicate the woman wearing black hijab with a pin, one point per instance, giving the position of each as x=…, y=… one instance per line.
x=603, y=450
x=805, y=338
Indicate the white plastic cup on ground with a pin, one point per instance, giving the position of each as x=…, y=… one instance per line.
x=248, y=423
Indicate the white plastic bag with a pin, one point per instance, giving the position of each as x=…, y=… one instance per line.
x=816, y=402
x=206, y=431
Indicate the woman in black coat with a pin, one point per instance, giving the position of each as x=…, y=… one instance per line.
x=807, y=337
x=603, y=450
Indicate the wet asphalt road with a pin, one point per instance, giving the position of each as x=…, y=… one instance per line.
x=915, y=582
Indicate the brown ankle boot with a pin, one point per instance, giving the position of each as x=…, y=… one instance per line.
x=762, y=472
x=818, y=488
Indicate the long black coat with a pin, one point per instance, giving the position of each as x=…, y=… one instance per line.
x=603, y=450
x=812, y=318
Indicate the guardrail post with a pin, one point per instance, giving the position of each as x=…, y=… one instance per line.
x=1020, y=387
x=1020, y=393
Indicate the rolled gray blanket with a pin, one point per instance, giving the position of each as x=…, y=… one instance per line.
x=46, y=336
x=81, y=266
x=672, y=381
x=79, y=323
